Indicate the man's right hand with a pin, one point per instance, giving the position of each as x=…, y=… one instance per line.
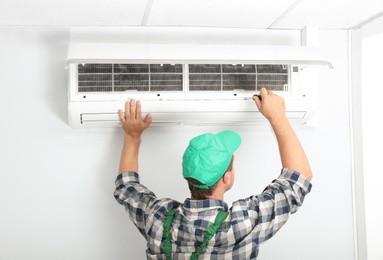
x=291, y=151
x=272, y=106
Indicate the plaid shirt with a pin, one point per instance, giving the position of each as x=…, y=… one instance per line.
x=251, y=221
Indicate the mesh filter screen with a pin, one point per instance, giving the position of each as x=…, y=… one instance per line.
x=251, y=77
x=122, y=77
x=170, y=77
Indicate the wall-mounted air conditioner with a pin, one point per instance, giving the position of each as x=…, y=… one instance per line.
x=197, y=84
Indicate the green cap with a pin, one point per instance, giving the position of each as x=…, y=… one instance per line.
x=208, y=156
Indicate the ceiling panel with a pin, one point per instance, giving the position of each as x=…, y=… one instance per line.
x=330, y=14
x=72, y=12
x=278, y=14
x=217, y=13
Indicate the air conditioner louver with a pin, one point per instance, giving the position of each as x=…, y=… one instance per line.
x=187, y=118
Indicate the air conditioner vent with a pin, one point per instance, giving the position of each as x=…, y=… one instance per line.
x=170, y=77
x=122, y=77
x=249, y=77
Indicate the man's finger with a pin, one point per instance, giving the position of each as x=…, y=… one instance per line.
x=147, y=120
x=132, y=109
x=138, y=110
x=121, y=116
x=263, y=92
x=257, y=102
x=127, y=110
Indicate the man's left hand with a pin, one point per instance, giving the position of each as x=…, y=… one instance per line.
x=132, y=121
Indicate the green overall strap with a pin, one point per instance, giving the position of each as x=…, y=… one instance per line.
x=167, y=244
x=210, y=232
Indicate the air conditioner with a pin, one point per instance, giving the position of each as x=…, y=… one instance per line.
x=198, y=84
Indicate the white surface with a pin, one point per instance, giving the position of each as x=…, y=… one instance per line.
x=372, y=93
x=330, y=14
x=262, y=14
x=72, y=12
x=228, y=13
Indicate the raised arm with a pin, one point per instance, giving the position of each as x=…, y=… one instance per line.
x=290, y=149
x=133, y=125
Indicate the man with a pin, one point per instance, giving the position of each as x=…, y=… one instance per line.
x=199, y=227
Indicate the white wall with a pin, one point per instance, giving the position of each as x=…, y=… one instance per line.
x=370, y=39
x=57, y=183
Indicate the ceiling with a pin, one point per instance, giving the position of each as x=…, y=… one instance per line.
x=261, y=14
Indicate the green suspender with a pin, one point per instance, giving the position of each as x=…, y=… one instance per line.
x=167, y=244
x=209, y=233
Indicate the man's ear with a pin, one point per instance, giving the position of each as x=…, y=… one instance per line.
x=226, y=178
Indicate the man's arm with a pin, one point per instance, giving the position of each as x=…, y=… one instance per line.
x=133, y=126
x=140, y=202
x=290, y=149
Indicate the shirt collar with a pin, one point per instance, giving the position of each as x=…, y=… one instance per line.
x=202, y=205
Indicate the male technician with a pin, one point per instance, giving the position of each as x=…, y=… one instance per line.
x=203, y=227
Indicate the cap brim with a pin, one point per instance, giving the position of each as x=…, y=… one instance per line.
x=231, y=139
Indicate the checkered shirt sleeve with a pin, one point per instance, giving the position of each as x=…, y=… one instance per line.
x=266, y=213
x=141, y=204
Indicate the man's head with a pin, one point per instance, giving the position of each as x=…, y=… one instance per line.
x=208, y=157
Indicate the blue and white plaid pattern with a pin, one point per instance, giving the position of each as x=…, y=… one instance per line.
x=251, y=221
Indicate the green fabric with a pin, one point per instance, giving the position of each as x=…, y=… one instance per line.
x=167, y=244
x=209, y=233
x=208, y=156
